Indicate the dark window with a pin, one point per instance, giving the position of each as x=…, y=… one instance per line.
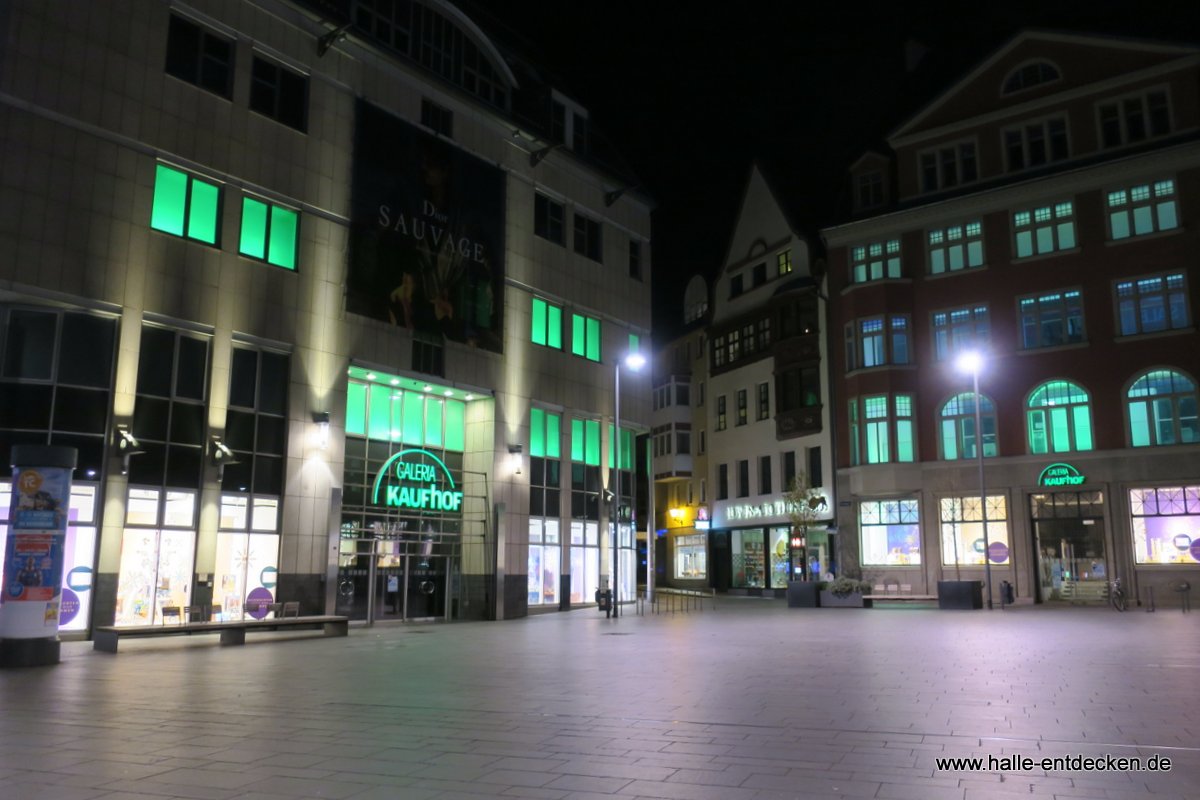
x=156, y=361
x=279, y=93
x=243, y=378
x=789, y=469
x=548, y=219
x=192, y=368
x=86, y=350
x=587, y=237
x=798, y=388
x=815, y=476
x=29, y=345
x=428, y=357
x=558, y=121
x=635, y=259
x=200, y=57
x=438, y=119
x=579, y=133
x=170, y=426
x=764, y=474
x=735, y=286
x=759, y=274
x=723, y=482
x=721, y=413
x=764, y=400
x=258, y=434
x=741, y=407
x=743, y=478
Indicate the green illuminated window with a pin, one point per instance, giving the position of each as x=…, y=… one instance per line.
x=1142, y=209
x=585, y=441
x=626, y=448
x=269, y=233
x=958, y=427
x=356, y=408
x=544, y=434
x=1162, y=409
x=185, y=205
x=547, y=324
x=1058, y=418
x=875, y=261
x=634, y=342
x=887, y=436
x=585, y=337
x=384, y=413
x=1045, y=229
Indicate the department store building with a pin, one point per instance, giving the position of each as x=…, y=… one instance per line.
x=328, y=296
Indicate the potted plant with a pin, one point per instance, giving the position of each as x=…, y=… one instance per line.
x=845, y=592
x=804, y=503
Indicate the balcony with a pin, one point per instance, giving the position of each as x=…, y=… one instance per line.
x=797, y=422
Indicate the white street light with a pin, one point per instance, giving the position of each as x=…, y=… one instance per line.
x=971, y=361
x=634, y=361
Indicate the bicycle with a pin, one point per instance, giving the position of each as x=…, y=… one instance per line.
x=1116, y=596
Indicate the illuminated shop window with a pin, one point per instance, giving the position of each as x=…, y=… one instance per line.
x=691, y=557
x=1152, y=304
x=1050, y=320
x=546, y=328
x=1059, y=418
x=956, y=248
x=1045, y=229
x=958, y=427
x=269, y=233
x=1166, y=524
x=1162, y=409
x=873, y=262
x=185, y=205
x=1142, y=209
x=890, y=533
x=585, y=337
x=962, y=530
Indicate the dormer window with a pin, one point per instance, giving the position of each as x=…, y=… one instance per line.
x=868, y=190
x=1029, y=75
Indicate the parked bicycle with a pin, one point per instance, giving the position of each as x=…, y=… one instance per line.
x=1116, y=596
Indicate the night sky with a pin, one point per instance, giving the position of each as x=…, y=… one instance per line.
x=691, y=96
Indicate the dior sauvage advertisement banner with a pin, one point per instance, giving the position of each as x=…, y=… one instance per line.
x=427, y=233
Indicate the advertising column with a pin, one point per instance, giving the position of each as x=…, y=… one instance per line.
x=33, y=558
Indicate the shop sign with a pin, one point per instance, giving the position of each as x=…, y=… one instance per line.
x=768, y=508
x=416, y=483
x=1060, y=475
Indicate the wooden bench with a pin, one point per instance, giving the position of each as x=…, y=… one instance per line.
x=233, y=632
x=902, y=592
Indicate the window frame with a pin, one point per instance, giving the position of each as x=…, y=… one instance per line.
x=1120, y=102
x=1033, y=227
x=589, y=345
x=203, y=33
x=885, y=435
x=1130, y=207
x=1150, y=402
x=946, y=344
x=1071, y=419
x=1048, y=138
x=955, y=239
x=587, y=238
x=958, y=420
x=549, y=331
x=1136, y=281
x=282, y=75
x=189, y=194
x=864, y=260
x=943, y=156
x=1039, y=312
x=893, y=329
x=549, y=218
x=269, y=222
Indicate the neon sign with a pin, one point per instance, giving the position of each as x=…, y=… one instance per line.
x=418, y=487
x=1060, y=474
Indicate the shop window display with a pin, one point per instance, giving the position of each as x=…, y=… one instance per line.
x=1166, y=524
x=890, y=531
x=962, y=530
x=691, y=557
x=749, y=559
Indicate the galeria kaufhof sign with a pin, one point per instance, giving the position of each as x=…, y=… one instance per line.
x=426, y=233
x=416, y=480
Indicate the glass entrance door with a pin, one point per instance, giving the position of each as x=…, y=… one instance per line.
x=1068, y=529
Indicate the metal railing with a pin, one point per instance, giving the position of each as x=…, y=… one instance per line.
x=678, y=601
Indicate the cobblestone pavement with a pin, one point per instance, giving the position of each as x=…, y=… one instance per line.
x=752, y=701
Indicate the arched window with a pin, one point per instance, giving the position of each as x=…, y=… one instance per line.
x=1029, y=75
x=958, y=427
x=1162, y=409
x=1058, y=418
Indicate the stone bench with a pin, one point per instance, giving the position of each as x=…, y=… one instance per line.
x=105, y=638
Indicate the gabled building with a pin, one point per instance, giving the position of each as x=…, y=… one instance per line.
x=1041, y=212
x=759, y=408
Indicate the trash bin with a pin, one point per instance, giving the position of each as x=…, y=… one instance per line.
x=603, y=600
x=1006, y=593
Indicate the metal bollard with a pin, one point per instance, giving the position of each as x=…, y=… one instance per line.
x=1151, y=608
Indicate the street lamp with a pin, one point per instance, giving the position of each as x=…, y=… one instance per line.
x=634, y=361
x=972, y=361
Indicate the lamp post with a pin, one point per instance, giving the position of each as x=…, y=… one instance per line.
x=635, y=361
x=971, y=361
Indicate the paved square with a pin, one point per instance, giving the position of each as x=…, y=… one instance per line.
x=753, y=701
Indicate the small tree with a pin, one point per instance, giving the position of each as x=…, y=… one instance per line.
x=805, y=502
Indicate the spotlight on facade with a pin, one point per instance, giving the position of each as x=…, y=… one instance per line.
x=514, y=457
x=321, y=418
x=331, y=38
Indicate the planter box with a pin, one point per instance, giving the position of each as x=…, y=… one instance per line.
x=852, y=600
x=802, y=594
x=960, y=594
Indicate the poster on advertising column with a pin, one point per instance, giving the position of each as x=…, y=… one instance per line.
x=426, y=233
x=33, y=558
